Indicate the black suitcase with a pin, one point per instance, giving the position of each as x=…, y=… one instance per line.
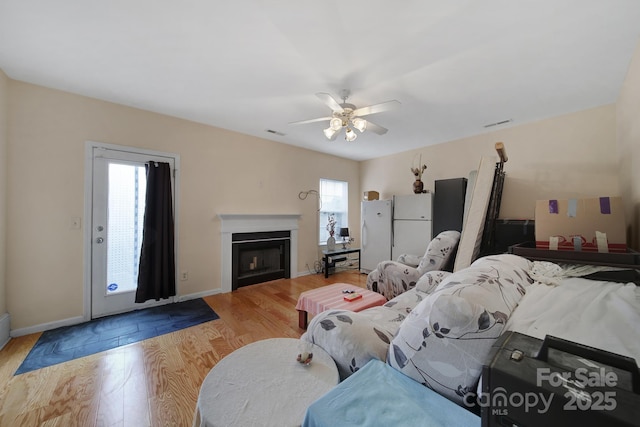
x=531, y=382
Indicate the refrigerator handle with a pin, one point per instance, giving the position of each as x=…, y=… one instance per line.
x=363, y=238
x=393, y=212
x=393, y=235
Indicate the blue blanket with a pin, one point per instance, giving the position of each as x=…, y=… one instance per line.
x=379, y=395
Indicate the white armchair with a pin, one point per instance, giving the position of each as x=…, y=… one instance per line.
x=391, y=278
x=410, y=260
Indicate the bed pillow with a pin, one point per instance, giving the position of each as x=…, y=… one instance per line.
x=446, y=338
x=515, y=261
x=353, y=339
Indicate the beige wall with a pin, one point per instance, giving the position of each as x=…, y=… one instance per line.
x=221, y=172
x=4, y=82
x=573, y=155
x=628, y=133
x=588, y=153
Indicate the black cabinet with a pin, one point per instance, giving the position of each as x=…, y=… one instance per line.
x=448, y=204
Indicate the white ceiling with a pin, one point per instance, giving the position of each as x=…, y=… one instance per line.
x=252, y=65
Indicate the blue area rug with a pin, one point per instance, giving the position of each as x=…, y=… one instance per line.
x=71, y=342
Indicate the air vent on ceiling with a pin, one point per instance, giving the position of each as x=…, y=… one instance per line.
x=503, y=122
x=275, y=132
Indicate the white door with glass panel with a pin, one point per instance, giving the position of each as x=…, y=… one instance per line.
x=118, y=206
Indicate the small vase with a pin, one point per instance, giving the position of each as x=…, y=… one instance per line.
x=331, y=243
x=418, y=186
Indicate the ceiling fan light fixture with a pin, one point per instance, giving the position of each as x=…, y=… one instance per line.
x=335, y=124
x=330, y=133
x=349, y=117
x=360, y=124
x=350, y=135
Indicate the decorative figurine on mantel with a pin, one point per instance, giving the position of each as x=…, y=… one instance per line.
x=331, y=228
x=418, y=185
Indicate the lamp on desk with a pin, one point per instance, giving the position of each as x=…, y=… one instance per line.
x=344, y=233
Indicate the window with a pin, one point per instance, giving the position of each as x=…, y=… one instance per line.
x=125, y=213
x=334, y=197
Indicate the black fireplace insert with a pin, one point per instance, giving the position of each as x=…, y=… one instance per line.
x=260, y=257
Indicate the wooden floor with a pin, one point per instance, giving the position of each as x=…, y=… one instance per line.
x=153, y=382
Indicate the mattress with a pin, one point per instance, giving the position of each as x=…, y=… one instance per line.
x=604, y=315
x=473, y=226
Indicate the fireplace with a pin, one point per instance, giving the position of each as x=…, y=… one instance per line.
x=256, y=233
x=260, y=257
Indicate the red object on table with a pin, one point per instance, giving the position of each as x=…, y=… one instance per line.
x=352, y=297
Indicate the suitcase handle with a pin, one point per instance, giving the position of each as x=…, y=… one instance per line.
x=606, y=357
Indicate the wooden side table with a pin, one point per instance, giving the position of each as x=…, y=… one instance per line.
x=331, y=297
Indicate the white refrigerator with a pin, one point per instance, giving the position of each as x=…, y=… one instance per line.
x=375, y=234
x=412, y=224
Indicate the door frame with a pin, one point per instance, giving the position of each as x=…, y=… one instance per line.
x=90, y=146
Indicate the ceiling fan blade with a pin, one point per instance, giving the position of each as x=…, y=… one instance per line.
x=376, y=128
x=330, y=101
x=301, y=122
x=377, y=108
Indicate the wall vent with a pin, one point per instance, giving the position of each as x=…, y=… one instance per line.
x=503, y=122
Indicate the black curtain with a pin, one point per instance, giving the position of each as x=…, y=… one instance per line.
x=157, y=271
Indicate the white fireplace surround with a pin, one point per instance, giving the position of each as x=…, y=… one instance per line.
x=251, y=223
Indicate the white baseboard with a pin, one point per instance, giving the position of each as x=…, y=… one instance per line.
x=198, y=295
x=76, y=320
x=303, y=273
x=5, y=329
x=46, y=326
x=219, y=291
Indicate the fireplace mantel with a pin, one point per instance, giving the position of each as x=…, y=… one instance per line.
x=248, y=223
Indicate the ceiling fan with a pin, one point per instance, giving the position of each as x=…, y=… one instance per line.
x=347, y=116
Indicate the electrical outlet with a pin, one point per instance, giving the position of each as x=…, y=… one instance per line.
x=184, y=275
